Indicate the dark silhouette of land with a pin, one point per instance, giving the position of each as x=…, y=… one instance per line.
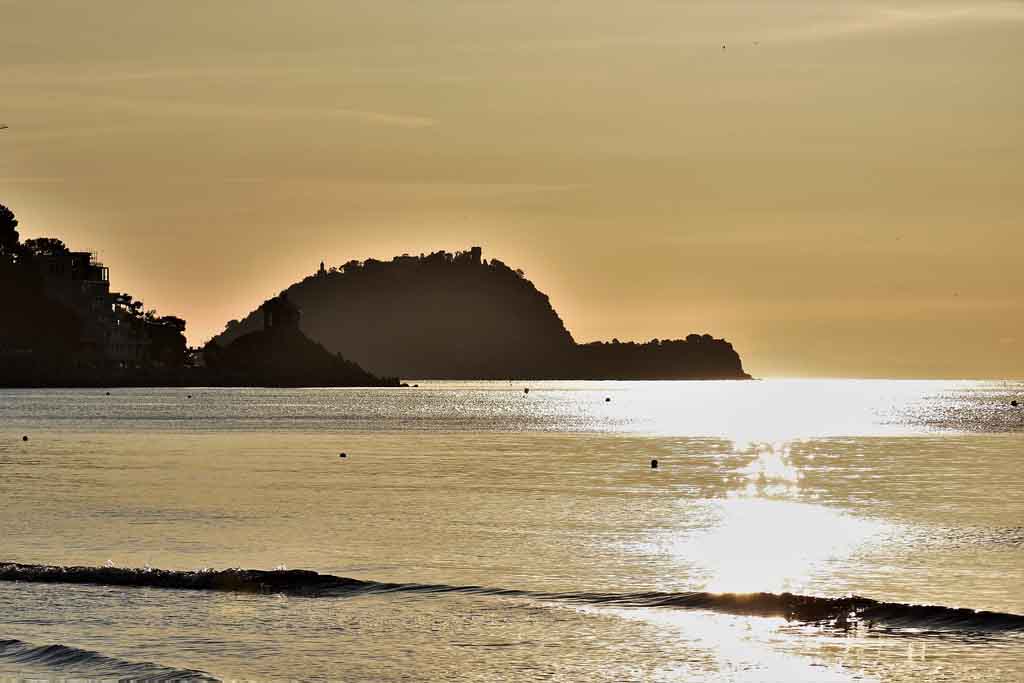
x=281, y=355
x=442, y=315
x=457, y=316
x=63, y=327
x=61, y=319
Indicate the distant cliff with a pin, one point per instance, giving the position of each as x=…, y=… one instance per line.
x=457, y=316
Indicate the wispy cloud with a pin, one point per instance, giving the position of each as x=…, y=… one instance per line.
x=89, y=104
x=406, y=188
x=386, y=118
x=868, y=20
x=789, y=22
x=31, y=180
x=927, y=14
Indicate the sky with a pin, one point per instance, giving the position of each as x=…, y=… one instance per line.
x=834, y=187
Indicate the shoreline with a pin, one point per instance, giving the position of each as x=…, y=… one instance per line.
x=201, y=383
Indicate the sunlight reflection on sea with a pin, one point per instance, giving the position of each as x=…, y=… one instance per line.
x=909, y=492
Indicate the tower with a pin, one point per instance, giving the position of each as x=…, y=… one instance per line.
x=280, y=312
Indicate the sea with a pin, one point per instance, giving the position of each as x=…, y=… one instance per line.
x=793, y=530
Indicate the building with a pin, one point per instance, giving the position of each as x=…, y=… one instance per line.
x=113, y=329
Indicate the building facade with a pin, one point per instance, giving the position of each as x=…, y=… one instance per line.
x=113, y=328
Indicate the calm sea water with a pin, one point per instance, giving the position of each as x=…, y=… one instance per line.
x=906, y=492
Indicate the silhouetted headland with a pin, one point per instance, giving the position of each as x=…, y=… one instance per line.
x=458, y=316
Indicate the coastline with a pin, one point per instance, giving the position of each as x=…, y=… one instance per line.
x=196, y=378
x=178, y=378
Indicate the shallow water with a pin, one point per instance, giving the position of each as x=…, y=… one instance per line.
x=903, y=492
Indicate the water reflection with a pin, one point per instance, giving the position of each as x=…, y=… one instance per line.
x=757, y=544
x=743, y=411
x=819, y=488
x=771, y=473
x=743, y=649
x=759, y=530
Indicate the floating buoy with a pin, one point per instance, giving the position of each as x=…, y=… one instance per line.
x=526, y=390
x=654, y=464
x=108, y=393
x=24, y=438
x=607, y=399
x=342, y=455
x=1014, y=404
x=190, y=395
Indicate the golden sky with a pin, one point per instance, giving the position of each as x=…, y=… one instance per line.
x=839, y=191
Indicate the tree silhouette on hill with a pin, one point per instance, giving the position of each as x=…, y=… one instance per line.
x=8, y=234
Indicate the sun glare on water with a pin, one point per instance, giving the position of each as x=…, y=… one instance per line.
x=763, y=535
x=772, y=545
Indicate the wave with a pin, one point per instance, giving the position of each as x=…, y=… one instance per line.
x=78, y=662
x=843, y=612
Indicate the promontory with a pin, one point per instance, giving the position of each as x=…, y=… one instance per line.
x=458, y=316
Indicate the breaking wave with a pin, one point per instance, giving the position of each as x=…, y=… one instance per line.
x=19, y=656
x=843, y=612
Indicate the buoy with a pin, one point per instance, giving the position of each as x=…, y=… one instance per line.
x=24, y=438
x=342, y=455
x=190, y=395
x=1014, y=404
x=108, y=393
x=526, y=390
x=654, y=464
x=607, y=399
